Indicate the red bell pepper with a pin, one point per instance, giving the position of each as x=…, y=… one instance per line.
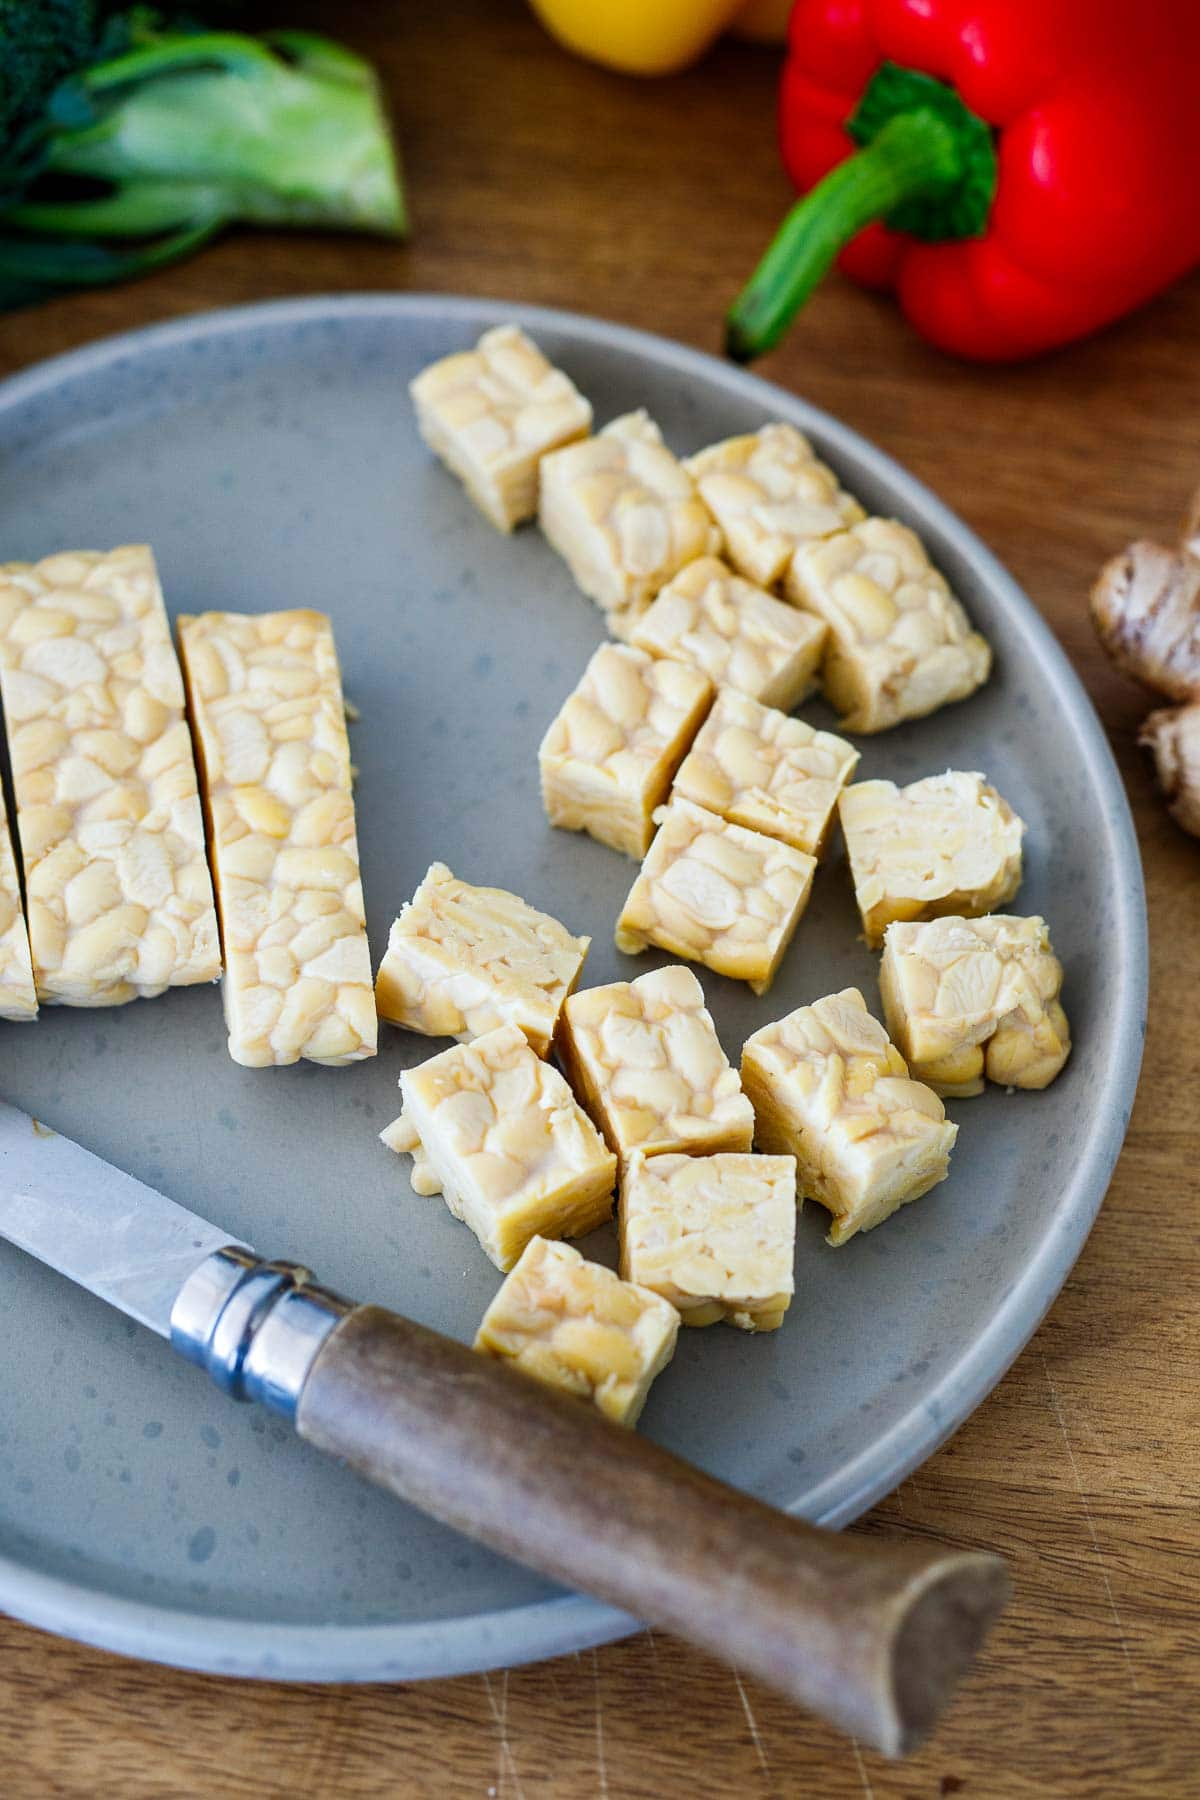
x=1021, y=172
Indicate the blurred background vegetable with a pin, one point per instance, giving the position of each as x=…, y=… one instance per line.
x=1020, y=171
x=127, y=140
x=1146, y=610
x=657, y=37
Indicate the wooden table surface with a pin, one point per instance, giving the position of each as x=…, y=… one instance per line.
x=534, y=177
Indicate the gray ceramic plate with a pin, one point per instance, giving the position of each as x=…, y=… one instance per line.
x=271, y=458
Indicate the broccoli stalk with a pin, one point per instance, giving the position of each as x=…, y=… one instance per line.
x=142, y=157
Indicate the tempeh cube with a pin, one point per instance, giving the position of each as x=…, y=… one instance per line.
x=270, y=721
x=461, y=960
x=738, y=634
x=120, y=904
x=575, y=1325
x=948, y=844
x=758, y=768
x=625, y=514
x=829, y=1089
x=900, y=644
x=646, y=1062
x=965, y=998
x=714, y=1235
x=492, y=413
x=498, y=1133
x=770, y=493
x=607, y=760
x=718, y=895
x=18, y=996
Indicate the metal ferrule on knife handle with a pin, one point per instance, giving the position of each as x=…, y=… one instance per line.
x=255, y=1326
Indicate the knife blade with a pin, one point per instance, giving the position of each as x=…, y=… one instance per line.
x=93, y=1223
x=873, y=1635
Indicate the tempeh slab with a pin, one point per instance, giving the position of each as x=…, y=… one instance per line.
x=120, y=904
x=18, y=997
x=270, y=722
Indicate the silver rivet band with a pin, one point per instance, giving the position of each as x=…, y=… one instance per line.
x=255, y=1326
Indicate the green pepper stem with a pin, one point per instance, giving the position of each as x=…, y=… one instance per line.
x=914, y=156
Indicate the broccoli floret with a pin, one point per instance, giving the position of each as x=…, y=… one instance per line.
x=40, y=42
x=127, y=162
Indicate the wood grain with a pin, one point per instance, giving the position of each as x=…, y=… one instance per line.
x=535, y=177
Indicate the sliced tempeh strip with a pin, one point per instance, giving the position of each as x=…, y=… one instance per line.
x=108, y=812
x=18, y=996
x=270, y=723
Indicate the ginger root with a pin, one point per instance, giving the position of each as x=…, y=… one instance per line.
x=1146, y=610
x=1173, y=737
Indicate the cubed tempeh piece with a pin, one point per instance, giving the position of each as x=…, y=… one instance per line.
x=948, y=844
x=461, y=960
x=625, y=514
x=829, y=1089
x=492, y=413
x=718, y=895
x=120, y=904
x=575, y=1325
x=900, y=644
x=714, y=1235
x=18, y=996
x=607, y=760
x=266, y=697
x=769, y=493
x=499, y=1134
x=645, y=1059
x=738, y=634
x=758, y=768
x=965, y=998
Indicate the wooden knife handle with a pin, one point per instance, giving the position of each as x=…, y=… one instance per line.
x=870, y=1634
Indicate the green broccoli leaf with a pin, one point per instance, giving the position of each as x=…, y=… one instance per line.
x=131, y=143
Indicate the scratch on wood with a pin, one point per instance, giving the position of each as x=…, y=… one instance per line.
x=868, y=1790
x=601, y=1767
x=508, y=1762
x=653, y=1643
x=1061, y=1422
x=752, y=1722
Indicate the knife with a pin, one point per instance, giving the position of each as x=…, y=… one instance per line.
x=872, y=1635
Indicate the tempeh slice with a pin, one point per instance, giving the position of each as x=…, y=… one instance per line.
x=120, y=904
x=270, y=722
x=18, y=996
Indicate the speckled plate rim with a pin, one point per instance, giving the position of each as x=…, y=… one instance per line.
x=444, y=1647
